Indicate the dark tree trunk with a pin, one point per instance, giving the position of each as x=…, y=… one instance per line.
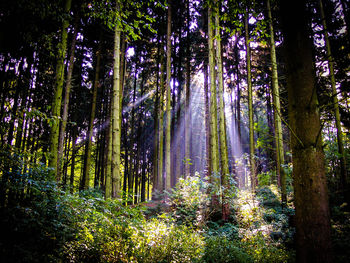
x=311, y=196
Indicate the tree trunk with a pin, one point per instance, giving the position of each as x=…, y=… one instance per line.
x=160, y=185
x=330, y=59
x=87, y=163
x=188, y=93
x=156, y=125
x=310, y=187
x=277, y=111
x=74, y=151
x=250, y=104
x=222, y=125
x=207, y=119
x=115, y=116
x=213, y=101
x=57, y=100
x=168, y=104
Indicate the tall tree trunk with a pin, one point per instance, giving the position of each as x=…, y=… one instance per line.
x=162, y=105
x=207, y=118
x=277, y=111
x=238, y=95
x=168, y=104
x=312, y=215
x=156, y=125
x=88, y=148
x=115, y=116
x=213, y=100
x=57, y=100
x=74, y=151
x=330, y=59
x=250, y=103
x=222, y=125
x=108, y=177
x=188, y=93
x=63, y=123
x=214, y=147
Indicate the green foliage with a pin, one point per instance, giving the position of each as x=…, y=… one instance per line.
x=50, y=225
x=266, y=178
x=127, y=16
x=220, y=249
x=264, y=227
x=161, y=240
x=222, y=244
x=189, y=199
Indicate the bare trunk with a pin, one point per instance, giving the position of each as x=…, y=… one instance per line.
x=310, y=187
x=277, y=112
x=57, y=100
x=250, y=104
x=168, y=104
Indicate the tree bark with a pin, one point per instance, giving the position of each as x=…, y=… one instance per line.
x=310, y=187
x=213, y=100
x=115, y=116
x=343, y=169
x=168, y=104
x=88, y=148
x=207, y=118
x=277, y=111
x=250, y=103
x=57, y=100
x=188, y=93
x=222, y=123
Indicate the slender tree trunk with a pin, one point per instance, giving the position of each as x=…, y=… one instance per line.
x=115, y=117
x=277, y=111
x=57, y=100
x=222, y=125
x=213, y=100
x=88, y=148
x=162, y=104
x=188, y=93
x=126, y=160
x=238, y=95
x=250, y=104
x=63, y=123
x=168, y=104
x=330, y=59
x=207, y=119
x=312, y=215
x=74, y=151
x=10, y=133
x=156, y=126
x=108, y=178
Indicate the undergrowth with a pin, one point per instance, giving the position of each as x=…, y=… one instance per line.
x=42, y=223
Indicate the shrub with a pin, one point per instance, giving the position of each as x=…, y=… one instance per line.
x=222, y=244
x=189, y=199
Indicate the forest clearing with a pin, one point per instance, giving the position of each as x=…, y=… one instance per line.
x=174, y=131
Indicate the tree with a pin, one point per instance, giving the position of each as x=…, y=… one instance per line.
x=87, y=162
x=277, y=110
x=214, y=149
x=250, y=101
x=168, y=103
x=343, y=169
x=222, y=124
x=57, y=100
x=187, y=94
x=115, y=115
x=310, y=188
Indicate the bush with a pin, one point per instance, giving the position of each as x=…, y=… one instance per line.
x=189, y=199
x=222, y=244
